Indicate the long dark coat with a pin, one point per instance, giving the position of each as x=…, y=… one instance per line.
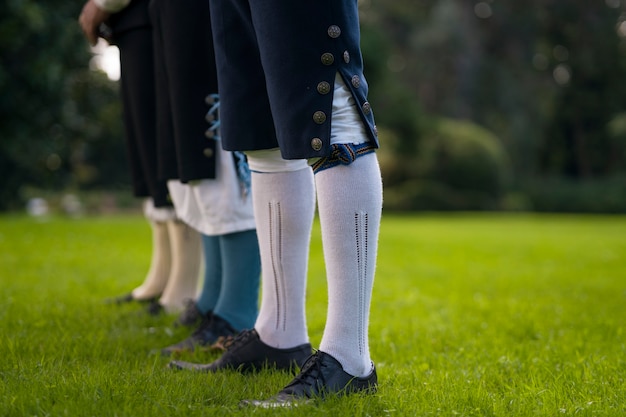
x=168, y=70
x=277, y=61
x=130, y=30
x=185, y=75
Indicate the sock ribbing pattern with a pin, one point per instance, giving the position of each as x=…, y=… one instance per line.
x=284, y=206
x=350, y=204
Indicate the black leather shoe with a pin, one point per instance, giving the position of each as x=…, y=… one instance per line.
x=321, y=375
x=209, y=331
x=123, y=299
x=191, y=316
x=128, y=298
x=155, y=308
x=246, y=352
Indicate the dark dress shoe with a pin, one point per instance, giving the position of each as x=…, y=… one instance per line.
x=191, y=315
x=123, y=299
x=128, y=298
x=246, y=352
x=209, y=332
x=321, y=375
x=155, y=308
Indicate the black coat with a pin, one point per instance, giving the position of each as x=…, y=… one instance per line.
x=168, y=69
x=277, y=61
x=130, y=30
x=185, y=75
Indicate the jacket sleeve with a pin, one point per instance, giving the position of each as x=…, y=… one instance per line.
x=112, y=6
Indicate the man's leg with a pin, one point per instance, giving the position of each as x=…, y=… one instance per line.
x=160, y=262
x=212, y=282
x=182, y=283
x=161, y=259
x=349, y=197
x=284, y=206
x=350, y=204
x=283, y=195
x=232, y=296
x=239, y=298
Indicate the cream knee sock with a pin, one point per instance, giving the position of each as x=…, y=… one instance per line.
x=156, y=279
x=184, y=275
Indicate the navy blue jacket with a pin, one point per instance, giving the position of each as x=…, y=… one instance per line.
x=277, y=61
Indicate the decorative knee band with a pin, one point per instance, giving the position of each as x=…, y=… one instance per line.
x=343, y=154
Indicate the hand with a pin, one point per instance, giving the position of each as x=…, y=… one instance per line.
x=90, y=19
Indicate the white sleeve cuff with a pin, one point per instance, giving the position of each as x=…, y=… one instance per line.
x=111, y=6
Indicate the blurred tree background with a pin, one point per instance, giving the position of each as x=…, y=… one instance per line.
x=60, y=121
x=480, y=105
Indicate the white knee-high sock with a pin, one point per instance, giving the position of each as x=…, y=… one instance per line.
x=350, y=205
x=182, y=283
x=284, y=206
x=160, y=264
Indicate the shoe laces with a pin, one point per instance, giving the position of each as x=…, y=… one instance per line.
x=234, y=342
x=220, y=343
x=311, y=373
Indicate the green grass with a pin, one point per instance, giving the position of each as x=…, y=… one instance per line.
x=473, y=315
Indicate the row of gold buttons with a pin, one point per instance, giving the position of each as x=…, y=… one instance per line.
x=323, y=87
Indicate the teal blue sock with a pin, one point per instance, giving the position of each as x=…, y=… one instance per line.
x=212, y=284
x=241, y=261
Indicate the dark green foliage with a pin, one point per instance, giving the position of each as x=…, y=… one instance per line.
x=617, y=143
x=466, y=157
x=60, y=120
x=545, y=77
x=93, y=117
x=577, y=142
x=459, y=166
x=603, y=195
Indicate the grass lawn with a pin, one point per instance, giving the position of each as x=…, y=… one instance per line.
x=473, y=315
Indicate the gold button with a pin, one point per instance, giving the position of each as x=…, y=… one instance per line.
x=327, y=58
x=367, y=108
x=356, y=81
x=334, y=31
x=209, y=134
x=346, y=57
x=210, y=117
x=319, y=117
x=316, y=144
x=208, y=152
x=323, y=87
x=210, y=100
